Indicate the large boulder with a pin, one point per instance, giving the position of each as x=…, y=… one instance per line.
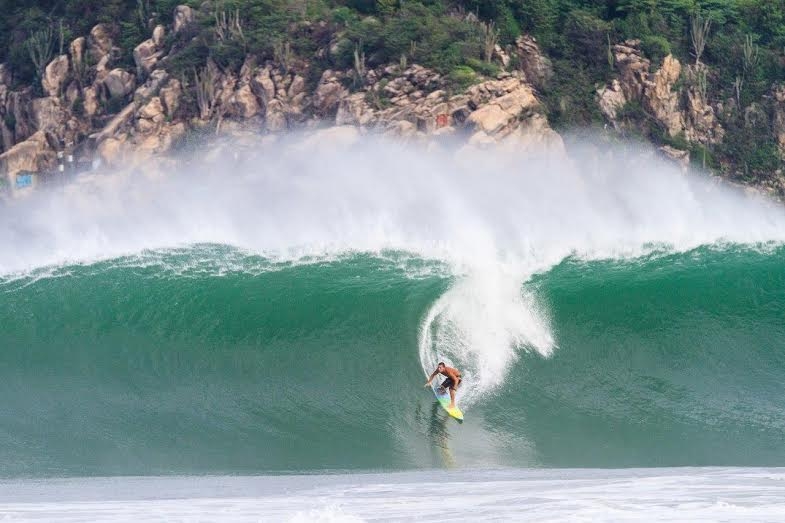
x=611, y=99
x=158, y=142
x=77, y=50
x=99, y=43
x=633, y=68
x=55, y=75
x=158, y=35
x=262, y=85
x=170, y=97
x=701, y=124
x=354, y=110
x=535, y=65
x=153, y=110
x=243, y=104
x=152, y=86
x=510, y=100
x=90, y=101
x=501, y=55
x=329, y=94
x=116, y=124
x=146, y=55
x=72, y=94
x=275, y=116
x=297, y=86
x=119, y=83
x=34, y=154
x=661, y=99
x=49, y=115
x=150, y=116
x=183, y=16
x=18, y=111
x=226, y=85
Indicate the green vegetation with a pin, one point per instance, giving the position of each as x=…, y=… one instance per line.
x=741, y=41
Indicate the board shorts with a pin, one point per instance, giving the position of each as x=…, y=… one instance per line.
x=450, y=384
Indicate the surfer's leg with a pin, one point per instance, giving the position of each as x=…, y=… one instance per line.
x=446, y=384
x=453, y=388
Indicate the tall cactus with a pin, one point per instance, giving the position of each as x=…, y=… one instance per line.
x=699, y=33
x=40, y=47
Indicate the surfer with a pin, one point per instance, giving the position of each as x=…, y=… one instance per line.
x=453, y=380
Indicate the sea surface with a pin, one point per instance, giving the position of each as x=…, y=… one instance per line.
x=253, y=346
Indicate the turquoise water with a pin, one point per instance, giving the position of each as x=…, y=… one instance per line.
x=208, y=359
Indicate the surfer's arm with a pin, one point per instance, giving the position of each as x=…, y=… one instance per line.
x=428, y=383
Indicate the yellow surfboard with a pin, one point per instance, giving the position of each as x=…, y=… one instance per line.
x=444, y=399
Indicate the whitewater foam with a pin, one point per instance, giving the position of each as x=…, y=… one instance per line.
x=479, y=325
x=688, y=494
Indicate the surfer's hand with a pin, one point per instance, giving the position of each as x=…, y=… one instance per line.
x=427, y=384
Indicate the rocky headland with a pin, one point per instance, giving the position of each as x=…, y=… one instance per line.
x=92, y=111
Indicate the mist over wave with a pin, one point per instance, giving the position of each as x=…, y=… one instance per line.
x=493, y=209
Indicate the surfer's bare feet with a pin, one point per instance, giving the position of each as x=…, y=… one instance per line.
x=452, y=406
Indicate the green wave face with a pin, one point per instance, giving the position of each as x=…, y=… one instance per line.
x=206, y=359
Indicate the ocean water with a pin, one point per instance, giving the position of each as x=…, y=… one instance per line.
x=237, y=325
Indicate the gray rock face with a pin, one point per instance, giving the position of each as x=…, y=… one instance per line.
x=99, y=43
x=55, y=75
x=679, y=111
x=263, y=86
x=158, y=35
x=77, y=50
x=151, y=86
x=244, y=104
x=328, y=94
x=49, y=115
x=170, y=96
x=90, y=95
x=146, y=55
x=33, y=154
x=183, y=16
x=119, y=83
x=535, y=65
x=700, y=121
x=611, y=99
x=18, y=110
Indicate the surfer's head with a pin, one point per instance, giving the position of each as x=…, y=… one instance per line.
x=441, y=365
